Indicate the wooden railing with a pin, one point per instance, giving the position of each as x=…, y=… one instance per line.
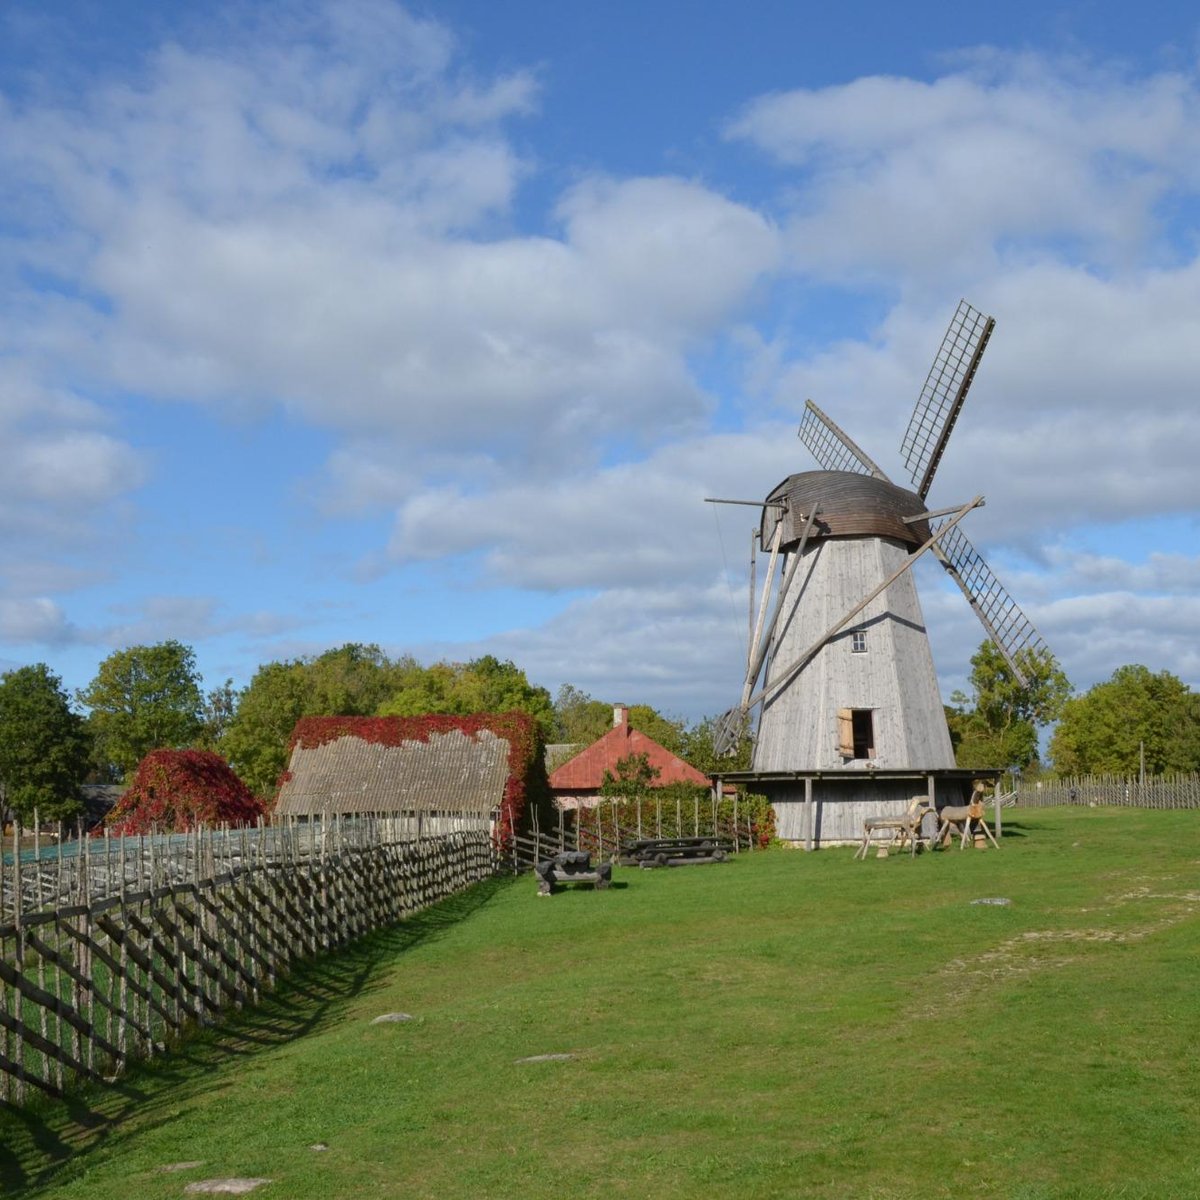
x=603, y=828
x=1158, y=791
x=147, y=938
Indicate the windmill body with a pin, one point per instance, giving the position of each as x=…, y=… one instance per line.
x=851, y=721
x=869, y=696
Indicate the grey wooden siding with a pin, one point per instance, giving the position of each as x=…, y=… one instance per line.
x=895, y=678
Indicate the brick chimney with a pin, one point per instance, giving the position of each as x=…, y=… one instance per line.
x=620, y=715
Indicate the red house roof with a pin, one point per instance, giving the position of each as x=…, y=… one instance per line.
x=585, y=772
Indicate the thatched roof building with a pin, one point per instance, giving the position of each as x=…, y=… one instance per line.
x=442, y=770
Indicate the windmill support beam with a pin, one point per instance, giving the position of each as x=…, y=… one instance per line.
x=795, y=667
x=762, y=646
x=929, y=514
x=762, y=612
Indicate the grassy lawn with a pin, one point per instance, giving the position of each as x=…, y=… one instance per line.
x=783, y=1025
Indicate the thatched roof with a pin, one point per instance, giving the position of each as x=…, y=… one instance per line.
x=395, y=765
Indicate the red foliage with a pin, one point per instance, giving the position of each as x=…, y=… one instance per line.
x=526, y=770
x=177, y=790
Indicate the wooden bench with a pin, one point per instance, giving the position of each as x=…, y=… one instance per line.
x=676, y=852
x=571, y=866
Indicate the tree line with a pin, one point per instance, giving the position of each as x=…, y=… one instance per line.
x=146, y=698
x=1135, y=718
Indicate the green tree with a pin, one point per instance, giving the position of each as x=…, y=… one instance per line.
x=482, y=685
x=1104, y=730
x=44, y=746
x=997, y=726
x=668, y=732
x=220, y=705
x=698, y=750
x=256, y=739
x=633, y=779
x=578, y=717
x=144, y=698
x=353, y=680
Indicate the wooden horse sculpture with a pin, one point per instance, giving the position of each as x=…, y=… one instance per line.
x=903, y=830
x=965, y=819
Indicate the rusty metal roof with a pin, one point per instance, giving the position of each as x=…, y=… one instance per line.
x=451, y=772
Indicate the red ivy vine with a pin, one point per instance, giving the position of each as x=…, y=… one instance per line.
x=174, y=791
x=526, y=784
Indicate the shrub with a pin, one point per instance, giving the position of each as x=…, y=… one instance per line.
x=174, y=791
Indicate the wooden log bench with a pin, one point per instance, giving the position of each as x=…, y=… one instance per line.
x=676, y=852
x=571, y=866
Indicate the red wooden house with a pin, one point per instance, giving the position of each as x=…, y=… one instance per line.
x=576, y=784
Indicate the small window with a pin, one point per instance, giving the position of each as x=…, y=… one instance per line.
x=858, y=642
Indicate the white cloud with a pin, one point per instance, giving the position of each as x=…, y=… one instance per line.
x=38, y=620
x=634, y=524
x=319, y=216
x=188, y=619
x=1012, y=155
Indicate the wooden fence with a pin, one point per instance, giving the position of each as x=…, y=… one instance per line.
x=109, y=953
x=603, y=828
x=1160, y=791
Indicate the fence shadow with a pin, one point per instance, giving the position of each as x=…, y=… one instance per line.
x=40, y=1139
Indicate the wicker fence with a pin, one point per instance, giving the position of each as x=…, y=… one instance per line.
x=1162, y=791
x=107, y=954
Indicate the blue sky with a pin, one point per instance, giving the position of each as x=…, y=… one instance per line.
x=431, y=326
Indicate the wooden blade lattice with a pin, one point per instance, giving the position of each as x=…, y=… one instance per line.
x=1012, y=631
x=832, y=447
x=728, y=731
x=942, y=397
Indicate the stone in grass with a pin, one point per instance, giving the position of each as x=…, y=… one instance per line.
x=546, y=1058
x=392, y=1018
x=181, y=1166
x=992, y=900
x=227, y=1187
x=319, y=1146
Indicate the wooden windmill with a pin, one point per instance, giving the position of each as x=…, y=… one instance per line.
x=841, y=666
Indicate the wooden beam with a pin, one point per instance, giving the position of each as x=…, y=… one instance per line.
x=762, y=612
x=761, y=647
x=798, y=664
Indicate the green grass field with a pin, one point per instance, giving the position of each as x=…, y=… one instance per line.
x=784, y=1025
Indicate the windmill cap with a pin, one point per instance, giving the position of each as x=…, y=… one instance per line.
x=850, y=504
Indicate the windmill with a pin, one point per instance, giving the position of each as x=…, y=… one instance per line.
x=839, y=657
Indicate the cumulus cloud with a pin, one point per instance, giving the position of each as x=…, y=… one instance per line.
x=1010, y=156
x=319, y=217
x=37, y=620
x=188, y=619
x=632, y=524
x=329, y=231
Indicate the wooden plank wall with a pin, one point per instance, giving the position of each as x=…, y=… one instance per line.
x=158, y=938
x=1121, y=791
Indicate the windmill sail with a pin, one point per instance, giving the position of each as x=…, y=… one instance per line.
x=1008, y=627
x=832, y=446
x=942, y=397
